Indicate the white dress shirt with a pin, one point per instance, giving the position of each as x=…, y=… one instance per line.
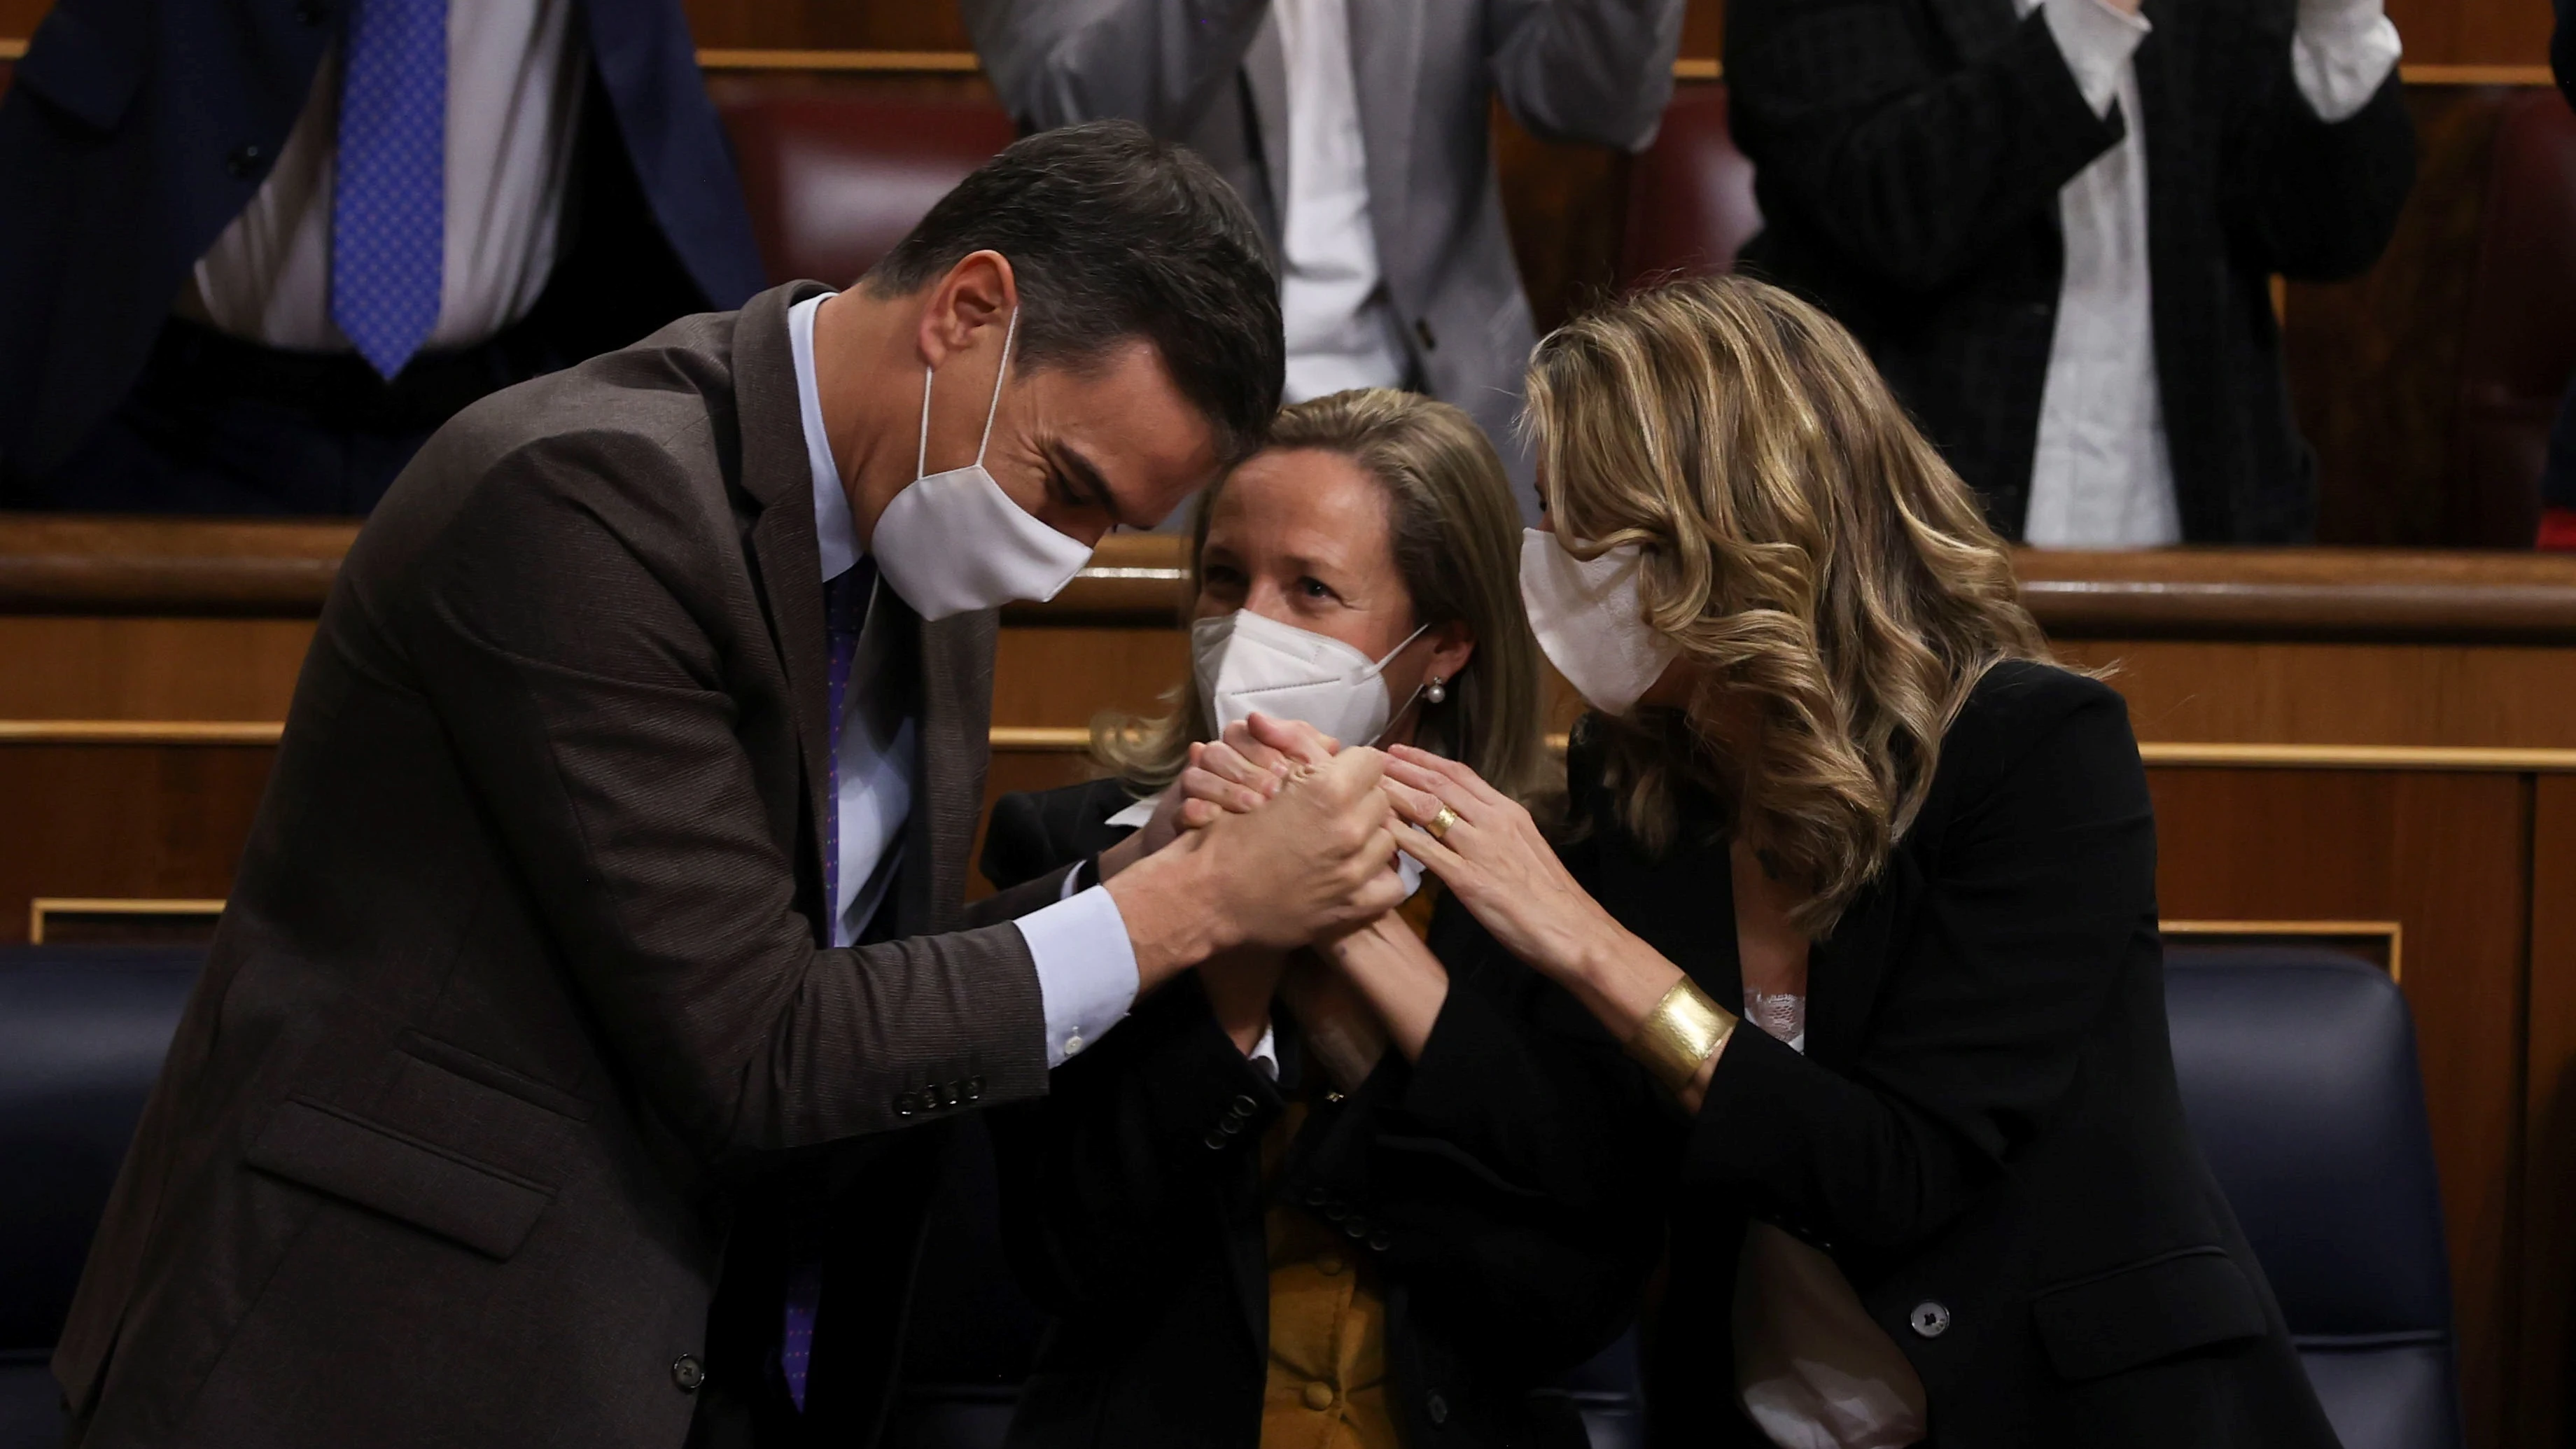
x=2102, y=476
x=1086, y=964
x=515, y=73
x=1341, y=330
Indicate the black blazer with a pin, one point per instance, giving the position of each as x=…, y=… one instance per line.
x=1909, y=154
x=136, y=131
x=1984, y=1131
x=1133, y=1201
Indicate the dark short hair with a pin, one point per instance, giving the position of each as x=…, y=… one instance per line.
x=1114, y=235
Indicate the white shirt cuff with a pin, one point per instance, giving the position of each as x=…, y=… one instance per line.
x=1065, y=891
x=2341, y=54
x=2097, y=42
x=1086, y=969
x=1265, y=1053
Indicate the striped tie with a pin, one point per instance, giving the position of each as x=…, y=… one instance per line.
x=389, y=202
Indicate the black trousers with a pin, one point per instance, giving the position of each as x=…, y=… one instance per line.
x=217, y=425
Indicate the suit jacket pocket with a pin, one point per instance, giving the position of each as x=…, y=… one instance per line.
x=334, y=1152
x=2136, y=1315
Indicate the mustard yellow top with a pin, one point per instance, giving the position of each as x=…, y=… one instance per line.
x=1327, y=1380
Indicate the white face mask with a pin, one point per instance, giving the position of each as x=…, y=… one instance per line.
x=1246, y=662
x=1589, y=618
x=954, y=542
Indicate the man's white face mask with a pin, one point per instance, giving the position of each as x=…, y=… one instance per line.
x=1247, y=663
x=1590, y=619
x=954, y=542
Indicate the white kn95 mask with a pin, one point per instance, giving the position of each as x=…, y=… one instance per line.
x=1247, y=663
x=954, y=542
x=1590, y=620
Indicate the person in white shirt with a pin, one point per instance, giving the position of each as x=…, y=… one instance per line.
x=258, y=275
x=1359, y=132
x=2055, y=224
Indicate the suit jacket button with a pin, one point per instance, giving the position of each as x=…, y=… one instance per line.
x=1381, y=1241
x=1245, y=1107
x=1929, y=1319
x=906, y=1104
x=244, y=162
x=688, y=1373
x=1438, y=1408
x=1215, y=1141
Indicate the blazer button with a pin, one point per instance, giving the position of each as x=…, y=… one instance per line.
x=1929, y=1319
x=1214, y=1141
x=1381, y=1241
x=1244, y=1107
x=688, y=1373
x=1438, y=1408
x=244, y=162
x=906, y=1104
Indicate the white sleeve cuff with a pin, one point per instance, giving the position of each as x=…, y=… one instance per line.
x=2341, y=54
x=1066, y=892
x=1265, y=1053
x=1086, y=969
x=2097, y=42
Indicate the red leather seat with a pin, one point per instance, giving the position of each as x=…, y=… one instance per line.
x=834, y=178
x=1690, y=196
x=2518, y=346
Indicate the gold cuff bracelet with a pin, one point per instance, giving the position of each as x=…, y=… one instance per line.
x=1679, y=1036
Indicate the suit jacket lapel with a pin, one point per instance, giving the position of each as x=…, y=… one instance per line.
x=1386, y=62
x=785, y=560
x=1265, y=80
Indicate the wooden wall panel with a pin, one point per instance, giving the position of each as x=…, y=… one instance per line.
x=2201, y=690
x=2548, y=1360
x=2444, y=854
x=73, y=667
x=154, y=821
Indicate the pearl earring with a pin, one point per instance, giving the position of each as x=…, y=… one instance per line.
x=1437, y=691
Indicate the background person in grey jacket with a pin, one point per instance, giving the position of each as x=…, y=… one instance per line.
x=1358, y=132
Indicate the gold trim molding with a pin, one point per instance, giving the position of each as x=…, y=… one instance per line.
x=2393, y=932
x=44, y=906
x=139, y=732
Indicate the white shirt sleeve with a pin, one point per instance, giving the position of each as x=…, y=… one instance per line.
x=1086, y=969
x=2341, y=53
x=2097, y=42
x=1265, y=1053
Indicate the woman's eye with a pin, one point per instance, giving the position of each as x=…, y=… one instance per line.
x=1315, y=588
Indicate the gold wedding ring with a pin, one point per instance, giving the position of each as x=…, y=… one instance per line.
x=1438, y=829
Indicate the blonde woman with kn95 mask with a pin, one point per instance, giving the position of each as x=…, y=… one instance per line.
x=1261, y=1212
x=1866, y=886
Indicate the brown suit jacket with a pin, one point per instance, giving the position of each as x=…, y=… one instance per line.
x=523, y=990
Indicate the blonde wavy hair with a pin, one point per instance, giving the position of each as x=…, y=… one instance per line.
x=1833, y=577
x=1456, y=535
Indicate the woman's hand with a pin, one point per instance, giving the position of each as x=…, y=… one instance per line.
x=1494, y=860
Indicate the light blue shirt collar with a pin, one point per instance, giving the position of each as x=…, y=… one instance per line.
x=836, y=530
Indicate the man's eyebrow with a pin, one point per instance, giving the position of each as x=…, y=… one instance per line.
x=1085, y=473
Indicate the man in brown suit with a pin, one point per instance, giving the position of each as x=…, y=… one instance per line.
x=573, y=1058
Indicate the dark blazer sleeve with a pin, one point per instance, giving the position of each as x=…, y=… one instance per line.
x=2312, y=199
x=1502, y=1175
x=2010, y=947
x=554, y=626
x=1909, y=167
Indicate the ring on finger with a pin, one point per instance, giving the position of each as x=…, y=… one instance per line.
x=1438, y=826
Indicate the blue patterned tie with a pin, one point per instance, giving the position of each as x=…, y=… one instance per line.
x=389, y=204
x=845, y=613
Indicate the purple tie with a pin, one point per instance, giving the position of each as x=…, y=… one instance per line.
x=389, y=195
x=845, y=612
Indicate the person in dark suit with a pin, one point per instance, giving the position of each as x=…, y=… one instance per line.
x=574, y=1056
x=1867, y=886
x=2055, y=225
x=252, y=256
x=1255, y=1217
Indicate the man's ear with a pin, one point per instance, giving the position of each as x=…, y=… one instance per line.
x=979, y=292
